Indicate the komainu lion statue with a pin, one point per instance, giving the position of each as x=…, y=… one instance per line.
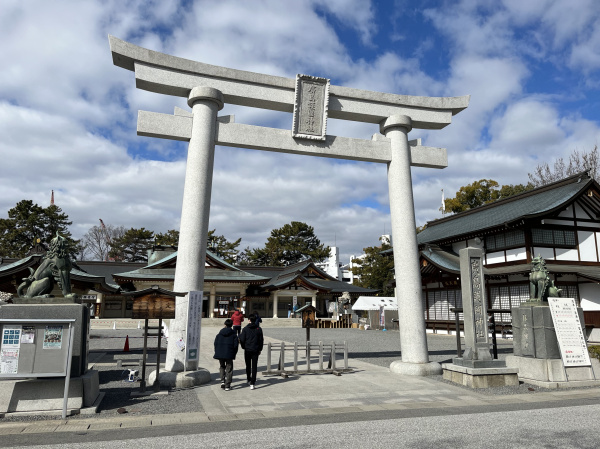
x=55, y=267
x=540, y=286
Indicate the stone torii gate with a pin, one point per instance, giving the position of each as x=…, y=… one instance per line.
x=312, y=100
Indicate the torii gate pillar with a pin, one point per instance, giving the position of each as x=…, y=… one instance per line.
x=191, y=251
x=413, y=339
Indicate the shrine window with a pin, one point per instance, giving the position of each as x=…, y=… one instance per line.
x=503, y=240
x=553, y=237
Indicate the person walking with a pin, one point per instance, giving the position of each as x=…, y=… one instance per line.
x=252, y=342
x=226, y=348
x=238, y=318
x=289, y=310
x=258, y=319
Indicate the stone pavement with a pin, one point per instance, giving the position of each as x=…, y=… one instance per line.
x=367, y=388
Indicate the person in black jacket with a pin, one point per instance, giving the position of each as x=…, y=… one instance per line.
x=226, y=348
x=252, y=342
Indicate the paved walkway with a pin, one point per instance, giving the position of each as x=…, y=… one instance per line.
x=367, y=388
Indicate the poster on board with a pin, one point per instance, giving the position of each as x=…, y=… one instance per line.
x=28, y=334
x=9, y=361
x=569, y=333
x=11, y=336
x=53, y=336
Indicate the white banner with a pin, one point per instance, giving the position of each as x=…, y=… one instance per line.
x=195, y=299
x=571, y=340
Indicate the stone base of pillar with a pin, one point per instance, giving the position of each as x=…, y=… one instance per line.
x=416, y=369
x=498, y=376
x=182, y=379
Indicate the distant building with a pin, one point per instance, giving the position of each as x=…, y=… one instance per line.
x=343, y=272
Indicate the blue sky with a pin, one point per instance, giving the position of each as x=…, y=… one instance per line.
x=68, y=115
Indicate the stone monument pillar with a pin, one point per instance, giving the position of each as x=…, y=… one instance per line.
x=477, y=338
x=413, y=339
x=476, y=368
x=191, y=254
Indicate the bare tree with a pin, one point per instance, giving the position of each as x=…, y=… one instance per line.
x=97, y=242
x=578, y=162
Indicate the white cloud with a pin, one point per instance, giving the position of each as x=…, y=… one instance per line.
x=357, y=14
x=528, y=127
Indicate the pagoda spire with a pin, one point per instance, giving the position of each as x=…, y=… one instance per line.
x=52, y=199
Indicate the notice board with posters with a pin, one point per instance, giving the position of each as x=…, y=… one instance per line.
x=35, y=347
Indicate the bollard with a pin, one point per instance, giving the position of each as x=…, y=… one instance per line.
x=268, y=357
x=114, y=325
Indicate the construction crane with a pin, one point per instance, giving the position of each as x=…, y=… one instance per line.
x=107, y=238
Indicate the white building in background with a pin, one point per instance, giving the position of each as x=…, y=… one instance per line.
x=343, y=272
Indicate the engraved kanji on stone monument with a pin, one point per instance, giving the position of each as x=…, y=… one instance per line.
x=477, y=342
x=310, y=107
x=480, y=320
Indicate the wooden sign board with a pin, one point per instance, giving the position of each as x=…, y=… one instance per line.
x=153, y=306
x=309, y=317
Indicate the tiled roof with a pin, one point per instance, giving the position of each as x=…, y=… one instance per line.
x=15, y=264
x=445, y=260
x=341, y=287
x=509, y=210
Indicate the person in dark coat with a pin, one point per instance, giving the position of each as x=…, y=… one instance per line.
x=252, y=342
x=226, y=348
x=258, y=319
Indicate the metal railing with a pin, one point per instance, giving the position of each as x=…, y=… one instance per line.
x=491, y=325
x=302, y=358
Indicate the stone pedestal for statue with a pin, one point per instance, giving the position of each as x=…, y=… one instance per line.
x=477, y=368
x=537, y=353
x=46, y=394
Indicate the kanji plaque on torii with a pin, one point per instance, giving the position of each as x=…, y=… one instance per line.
x=208, y=87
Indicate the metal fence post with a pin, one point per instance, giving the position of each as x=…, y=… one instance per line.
x=308, y=356
x=321, y=355
x=333, y=355
x=345, y=355
x=268, y=357
x=295, y=356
